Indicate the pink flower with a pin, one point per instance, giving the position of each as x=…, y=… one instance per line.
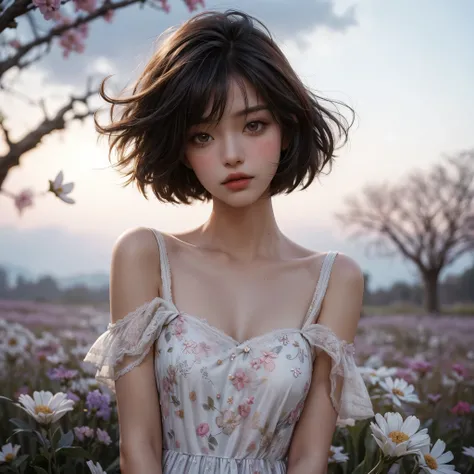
x=167, y=385
x=87, y=5
x=165, y=6
x=250, y=400
x=189, y=347
x=177, y=444
x=434, y=397
x=240, y=379
x=460, y=370
x=14, y=44
x=461, y=408
x=202, y=429
x=193, y=4
x=24, y=200
x=179, y=328
x=420, y=366
x=108, y=16
x=244, y=410
x=267, y=360
x=47, y=7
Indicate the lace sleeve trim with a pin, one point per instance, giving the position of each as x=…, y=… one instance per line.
x=354, y=402
x=126, y=343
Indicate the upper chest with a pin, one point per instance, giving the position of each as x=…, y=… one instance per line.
x=243, y=300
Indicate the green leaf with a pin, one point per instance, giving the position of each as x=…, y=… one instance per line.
x=167, y=336
x=210, y=402
x=213, y=440
x=20, y=460
x=205, y=406
x=40, y=470
x=5, y=399
x=19, y=423
x=56, y=436
x=66, y=440
x=74, y=452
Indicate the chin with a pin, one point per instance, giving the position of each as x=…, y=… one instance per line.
x=240, y=199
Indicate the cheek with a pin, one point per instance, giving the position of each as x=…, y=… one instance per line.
x=269, y=147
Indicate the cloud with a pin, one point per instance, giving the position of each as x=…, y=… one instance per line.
x=130, y=39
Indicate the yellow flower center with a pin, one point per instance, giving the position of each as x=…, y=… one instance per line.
x=59, y=190
x=43, y=409
x=9, y=457
x=431, y=461
x=398, y=437
x=12, y=341
x=397, y=391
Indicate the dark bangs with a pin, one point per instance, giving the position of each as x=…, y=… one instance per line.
x=191, y=70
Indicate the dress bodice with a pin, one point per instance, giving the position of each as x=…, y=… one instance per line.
x=228, y=406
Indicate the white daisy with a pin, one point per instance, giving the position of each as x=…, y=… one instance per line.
x=399, y=391
x=95, y=468
x=14, y=343
x=61, y=190
x=9, y=452
x=374, y=376
x=336, y=455
x=468, y=451
x=396, y=437
x=44, y=407
x=434, y=461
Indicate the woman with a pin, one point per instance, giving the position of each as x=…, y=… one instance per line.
x=219, y=115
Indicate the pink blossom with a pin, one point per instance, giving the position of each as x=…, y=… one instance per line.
x=256, y=363
x=23, y=200
x=165, y=6
x=202, y=429
x=460, y=370
x=434, y=397
x=108, y=15
x=193, y=4
x=87, y=5
x=15, y=44
x=177, y=444
x=47, y=7
x=240, y=379
x=267, y=360
x=406, y=374
x=250, y=400
x=420, y=366
x=461, y=408
x=244, y=410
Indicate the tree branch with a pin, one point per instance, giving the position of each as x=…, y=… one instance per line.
x=14, y=60
x=33, y=138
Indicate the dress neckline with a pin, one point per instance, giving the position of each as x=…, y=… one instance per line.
x=313, y=308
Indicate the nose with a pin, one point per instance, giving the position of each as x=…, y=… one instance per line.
x=232, y=153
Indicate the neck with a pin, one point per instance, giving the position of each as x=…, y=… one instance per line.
x=245, y=234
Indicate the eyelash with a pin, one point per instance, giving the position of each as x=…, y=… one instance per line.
x=201, y=144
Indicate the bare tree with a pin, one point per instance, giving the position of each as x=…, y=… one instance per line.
x=69, y=29
x=427, y=218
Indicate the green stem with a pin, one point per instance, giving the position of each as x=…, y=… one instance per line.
x=375, y=470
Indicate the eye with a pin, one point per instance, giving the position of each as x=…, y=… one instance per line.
x=255, y=126
x=201, y=138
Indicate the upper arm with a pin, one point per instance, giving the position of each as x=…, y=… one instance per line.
x=135, y=280
x=340, y=312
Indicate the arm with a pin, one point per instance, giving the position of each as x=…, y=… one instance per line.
x=134, y=280
x=313, y=434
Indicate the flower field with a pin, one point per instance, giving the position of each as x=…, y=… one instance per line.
x=419, y=370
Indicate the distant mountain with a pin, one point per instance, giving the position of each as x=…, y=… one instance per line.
x=94, y=280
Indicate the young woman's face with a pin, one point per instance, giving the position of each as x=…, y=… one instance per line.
x=243, y=141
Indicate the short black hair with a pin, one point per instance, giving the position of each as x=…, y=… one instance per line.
x=192, y=68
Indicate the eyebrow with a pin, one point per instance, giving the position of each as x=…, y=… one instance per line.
x=240, y=113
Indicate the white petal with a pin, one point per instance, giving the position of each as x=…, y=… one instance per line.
x=410, y=425
x=66, y=199
x=445, y=458
x=438, y=448
x=58, y=180
x=67, y=188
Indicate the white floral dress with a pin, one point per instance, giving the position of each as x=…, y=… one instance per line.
x=227, y=407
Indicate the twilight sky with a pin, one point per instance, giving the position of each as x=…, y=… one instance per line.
x=407, y=68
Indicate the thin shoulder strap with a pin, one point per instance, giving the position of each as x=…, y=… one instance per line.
x=165, y=267
x=321, y=287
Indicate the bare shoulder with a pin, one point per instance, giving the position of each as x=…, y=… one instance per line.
x=135, y=271
x=342, y=303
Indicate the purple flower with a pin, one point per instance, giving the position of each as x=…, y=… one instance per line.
x=103, y=436
x=61, y=373
x=72, y=396
x=82, y=432
x=99, y=403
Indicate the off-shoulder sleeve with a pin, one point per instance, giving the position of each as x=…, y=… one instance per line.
x=126, y=343
x=354, y=402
